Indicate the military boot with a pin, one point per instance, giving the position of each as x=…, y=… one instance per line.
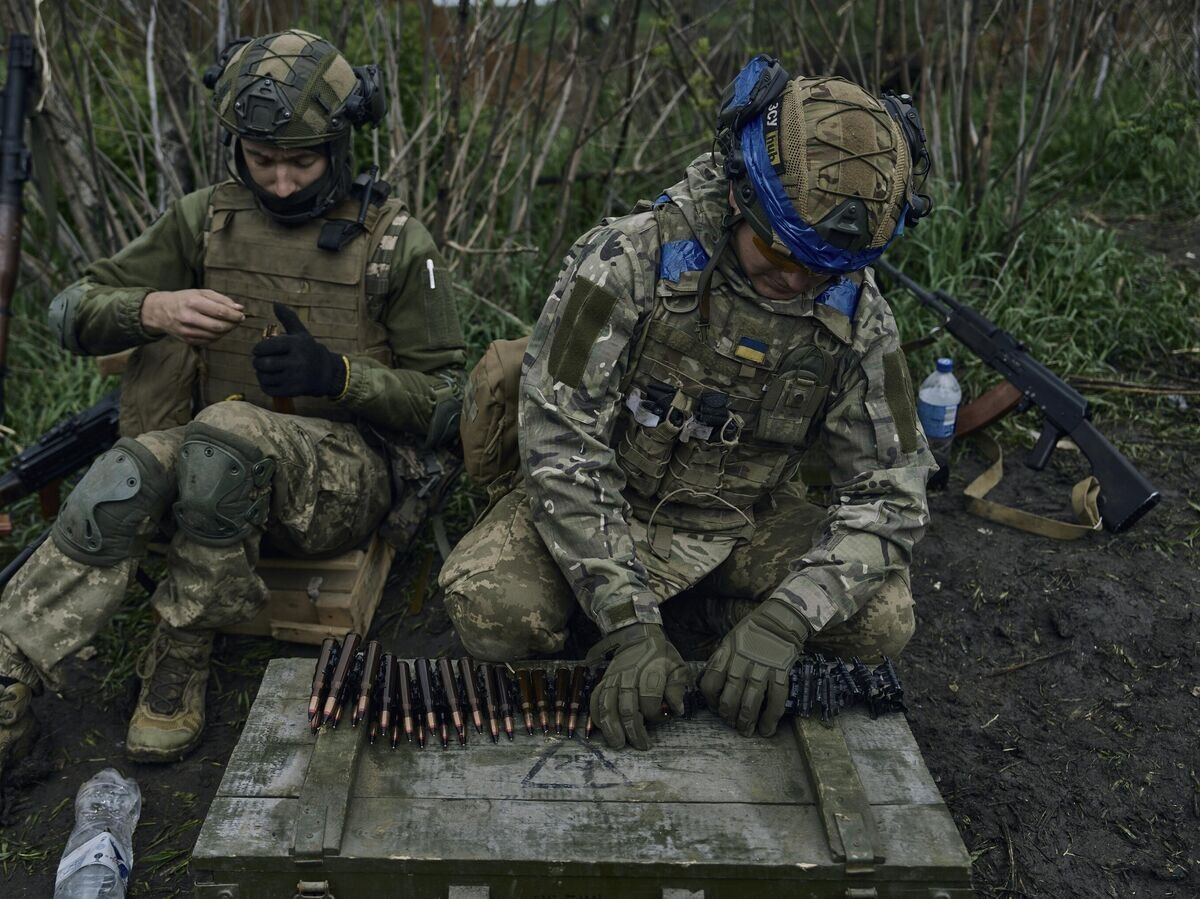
x=18, y=728
x=169, y=719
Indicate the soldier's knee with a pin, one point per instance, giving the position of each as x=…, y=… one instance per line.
x=498, y=625
x=892, y=641
x=895, y=619
x=224, y=484
x=101, y=519
x=235, y=417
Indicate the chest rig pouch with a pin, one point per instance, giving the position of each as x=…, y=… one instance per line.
x=258, y=262
x=715, y=418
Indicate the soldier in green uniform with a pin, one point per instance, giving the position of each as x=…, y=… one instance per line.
x=690, y=354
x=297, y=364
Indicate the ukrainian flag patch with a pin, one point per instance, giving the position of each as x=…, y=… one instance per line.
x=751, y=350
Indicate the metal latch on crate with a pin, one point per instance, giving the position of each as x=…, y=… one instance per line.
x=313, y=889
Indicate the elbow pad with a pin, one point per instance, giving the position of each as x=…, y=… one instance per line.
x=62, y=313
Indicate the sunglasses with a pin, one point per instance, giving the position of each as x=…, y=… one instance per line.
x=778, y=259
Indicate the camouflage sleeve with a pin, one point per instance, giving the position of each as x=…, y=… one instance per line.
x=102, y=312
x=880, y=465
x=423, y=332
x=570, y=394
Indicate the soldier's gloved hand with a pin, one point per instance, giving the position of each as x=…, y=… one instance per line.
x=296, y=363
x=751, y=667
x=645, y=669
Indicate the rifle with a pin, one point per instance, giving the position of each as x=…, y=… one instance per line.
x=68, y=446
x=1125, y=495
x=14, y=172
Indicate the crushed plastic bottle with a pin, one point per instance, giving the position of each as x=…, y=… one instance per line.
x=99, y=853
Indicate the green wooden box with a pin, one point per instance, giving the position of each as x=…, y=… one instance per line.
x=816, y=811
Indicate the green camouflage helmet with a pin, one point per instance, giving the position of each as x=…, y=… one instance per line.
x=837, y=142
x=294, y=89
x=821, y=170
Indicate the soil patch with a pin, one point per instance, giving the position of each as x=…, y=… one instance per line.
x=1054, y=692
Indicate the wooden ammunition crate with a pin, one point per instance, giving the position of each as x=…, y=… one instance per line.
x=848, y=810
x=312, y=599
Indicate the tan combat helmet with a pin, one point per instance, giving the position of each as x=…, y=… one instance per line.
x=821, y=170
x=294, y=89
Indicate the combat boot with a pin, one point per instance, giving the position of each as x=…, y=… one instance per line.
x=169, y=719
x=18, y=728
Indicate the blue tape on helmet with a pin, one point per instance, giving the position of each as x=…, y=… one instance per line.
x=804, y=243
x=746, y=79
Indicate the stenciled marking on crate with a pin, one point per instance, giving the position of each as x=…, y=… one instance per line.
x=571, y=766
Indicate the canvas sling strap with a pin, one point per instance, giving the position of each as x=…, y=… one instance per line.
x=1084, y=500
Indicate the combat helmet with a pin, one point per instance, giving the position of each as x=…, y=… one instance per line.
x=822, y=171
x=294, y=89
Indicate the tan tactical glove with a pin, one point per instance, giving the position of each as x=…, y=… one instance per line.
x=751, y=666
x=645, y=669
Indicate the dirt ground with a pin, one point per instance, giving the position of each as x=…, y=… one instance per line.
x=1053, y=687
x=1054, y=691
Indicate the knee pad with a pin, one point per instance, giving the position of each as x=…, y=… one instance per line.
x=224, y=486
x=99, y=522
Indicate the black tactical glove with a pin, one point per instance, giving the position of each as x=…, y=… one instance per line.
x=751, y=666
x=645, y=669
x=296, y=363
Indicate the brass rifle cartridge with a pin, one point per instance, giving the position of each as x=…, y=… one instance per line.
x=504, y=699
x=366, y=687
x=353, y=679
x=284, y=405
x=576, y=698
x=525, y=690
x=326, y=662
x=337, y=685
x=487, y=683
x=450, y=696
x=404, y=690
x=562, y=697
x=387, y=694
x=425, y=693
x=539, y=698
x=468, y=682
x=589, y=684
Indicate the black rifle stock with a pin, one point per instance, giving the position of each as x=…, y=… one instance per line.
x=68, y=446
x=14, y=172
x=1125, y=494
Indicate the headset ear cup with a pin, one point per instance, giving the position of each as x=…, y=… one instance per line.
x=366, y=105
x=919, y=206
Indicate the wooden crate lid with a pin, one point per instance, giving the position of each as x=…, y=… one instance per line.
x=703, y=799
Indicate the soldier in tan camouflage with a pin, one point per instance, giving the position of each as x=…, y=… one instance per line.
x=690, y=355
x=368, y=361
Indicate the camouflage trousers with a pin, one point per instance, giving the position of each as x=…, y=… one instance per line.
x=329, y=492
x=509, y=600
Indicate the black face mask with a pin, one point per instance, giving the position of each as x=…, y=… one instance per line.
x=310, y=202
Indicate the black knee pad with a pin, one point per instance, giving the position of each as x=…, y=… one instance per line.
x=224, y=485
x=99, y=522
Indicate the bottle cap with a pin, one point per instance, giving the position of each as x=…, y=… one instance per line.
x=944, y=364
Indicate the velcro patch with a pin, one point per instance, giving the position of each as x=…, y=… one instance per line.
x=586, y=313
x=898, y=391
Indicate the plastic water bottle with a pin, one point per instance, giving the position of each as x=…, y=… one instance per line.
x=99, y=853
x=937, y=405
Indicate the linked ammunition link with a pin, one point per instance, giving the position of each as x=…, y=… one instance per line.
x=426, y=699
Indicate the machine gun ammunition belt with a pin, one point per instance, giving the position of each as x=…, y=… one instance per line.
x=421, y=700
